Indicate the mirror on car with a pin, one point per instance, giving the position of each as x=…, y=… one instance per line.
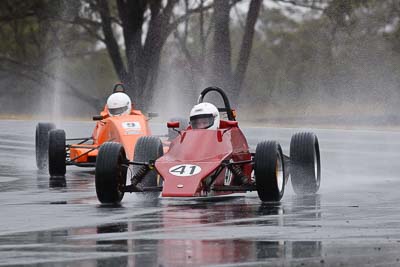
x=232, y=123
x=173, y=124
x=97, y=118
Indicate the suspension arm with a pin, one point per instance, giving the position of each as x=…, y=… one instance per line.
x=83, y=140
x=227, y=163
x=151, y=164
x=83, y=154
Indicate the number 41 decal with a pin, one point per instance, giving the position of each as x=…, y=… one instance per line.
x=185, y=170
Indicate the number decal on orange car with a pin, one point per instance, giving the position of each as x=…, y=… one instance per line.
x=131, y=125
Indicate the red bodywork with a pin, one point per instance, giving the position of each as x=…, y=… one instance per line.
x=206, y=149
x=124, y=129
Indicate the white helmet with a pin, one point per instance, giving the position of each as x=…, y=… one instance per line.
x=118, y=104
x=204, y=116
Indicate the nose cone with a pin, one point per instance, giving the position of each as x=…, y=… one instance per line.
x=184, y=180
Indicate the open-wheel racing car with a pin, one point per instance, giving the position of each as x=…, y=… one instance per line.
x=203, y=162
x=52, y=150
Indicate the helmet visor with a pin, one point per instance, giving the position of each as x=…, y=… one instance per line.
x=202, y=121
x=117, y=111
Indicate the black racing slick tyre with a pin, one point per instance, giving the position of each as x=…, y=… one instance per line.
x=57, y=153
x=305, y=164
x=110, y=175
x=269, y=171
x=183, y=124
x=42, y=144
x=148, y=148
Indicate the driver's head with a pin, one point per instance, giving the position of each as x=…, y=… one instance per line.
x=119, y=104
x=204, y=116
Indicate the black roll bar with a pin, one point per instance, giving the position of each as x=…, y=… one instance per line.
x=227, y=108
x=116, y=88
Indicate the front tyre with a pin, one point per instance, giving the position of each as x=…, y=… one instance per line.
x=148, y=148
x=57, y=153
x=269, y=171
x=110, y=175
x=305, y=165
x=42, y=144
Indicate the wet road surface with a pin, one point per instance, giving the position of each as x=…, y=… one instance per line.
x=353, y=221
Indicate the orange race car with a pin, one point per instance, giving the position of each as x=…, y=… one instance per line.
x=118, y=122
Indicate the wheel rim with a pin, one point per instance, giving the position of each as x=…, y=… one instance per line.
x=315, y=165
x=279, y=172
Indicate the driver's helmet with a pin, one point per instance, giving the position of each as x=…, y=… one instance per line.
x=119, y=104
x=204, y=116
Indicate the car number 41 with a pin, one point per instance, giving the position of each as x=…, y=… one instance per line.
x=185, y=170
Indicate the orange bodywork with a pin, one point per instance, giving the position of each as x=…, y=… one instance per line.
x=124, y=129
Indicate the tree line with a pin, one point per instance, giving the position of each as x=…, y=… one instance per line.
x=257, y=49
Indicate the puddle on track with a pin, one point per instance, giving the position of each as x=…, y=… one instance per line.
x=353, y=221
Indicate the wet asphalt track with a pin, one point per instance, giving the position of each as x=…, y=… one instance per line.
x=353, y=221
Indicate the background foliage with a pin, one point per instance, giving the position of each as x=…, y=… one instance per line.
x=325, y=61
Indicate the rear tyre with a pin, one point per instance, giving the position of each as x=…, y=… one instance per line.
x=42, y=144
x=57, y=153
x=148, y=148
x=305, y=165
x=183, y=124
x=110, y=175
x=269, y=171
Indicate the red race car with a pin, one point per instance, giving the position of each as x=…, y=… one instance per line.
x=118, y=122
x=208, y=161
